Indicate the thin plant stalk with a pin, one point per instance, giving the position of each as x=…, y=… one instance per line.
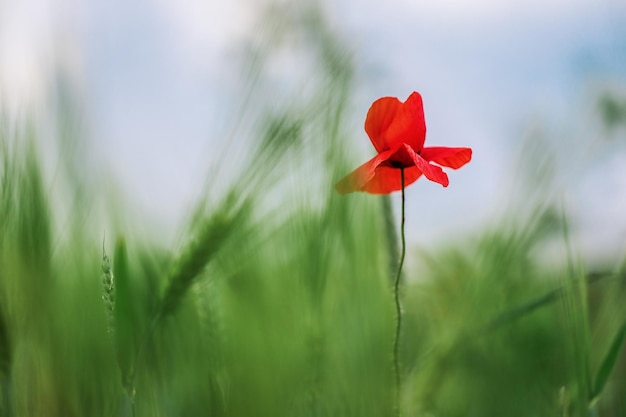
x=396, y=342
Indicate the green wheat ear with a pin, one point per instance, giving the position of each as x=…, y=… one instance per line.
x=108, y=285
x=211, y=236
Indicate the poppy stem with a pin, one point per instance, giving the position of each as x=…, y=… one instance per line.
x=396, y=342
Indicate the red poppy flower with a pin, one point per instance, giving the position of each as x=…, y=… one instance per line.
x=398, y=131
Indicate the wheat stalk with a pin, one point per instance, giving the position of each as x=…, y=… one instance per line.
x=210, y=238
x=5, y=366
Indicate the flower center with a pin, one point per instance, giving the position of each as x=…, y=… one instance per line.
x=401, y=159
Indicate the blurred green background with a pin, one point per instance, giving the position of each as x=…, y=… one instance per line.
x=260, y=291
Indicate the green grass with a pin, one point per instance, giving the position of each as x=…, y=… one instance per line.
x=277, y=300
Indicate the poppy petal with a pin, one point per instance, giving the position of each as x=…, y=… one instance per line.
x=376, y=177
x=432, y=172
x=358, y=178
x=447, y=157
x=390, y=122
x=388, y=179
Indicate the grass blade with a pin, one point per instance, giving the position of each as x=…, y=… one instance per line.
x=608, y=364
x=5, y=347
x=124, y=324
x=5, y=366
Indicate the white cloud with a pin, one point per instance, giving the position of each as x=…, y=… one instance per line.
x=205, y=29
x=480, y=11
x=25, y=32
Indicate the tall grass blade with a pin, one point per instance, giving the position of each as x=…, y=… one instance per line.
x=5, y=366
x=548, y=298
x=577, y=316
x=124, y=322
x=608, y=364
x=5, y=346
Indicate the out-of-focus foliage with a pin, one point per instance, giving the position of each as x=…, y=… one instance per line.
x=612, y=109
x=278, y=302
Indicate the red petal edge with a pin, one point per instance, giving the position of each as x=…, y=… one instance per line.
x=448, y=157
x=380, y=117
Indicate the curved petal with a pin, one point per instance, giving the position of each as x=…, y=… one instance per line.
x=357, y=179
x=387, y=179
x=378, y=176
x=447, y=157
x=432, y=172
x=390, y=122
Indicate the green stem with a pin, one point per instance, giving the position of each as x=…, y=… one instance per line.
x=396, y=342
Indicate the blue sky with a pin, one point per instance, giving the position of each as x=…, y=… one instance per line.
x=153, y=74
